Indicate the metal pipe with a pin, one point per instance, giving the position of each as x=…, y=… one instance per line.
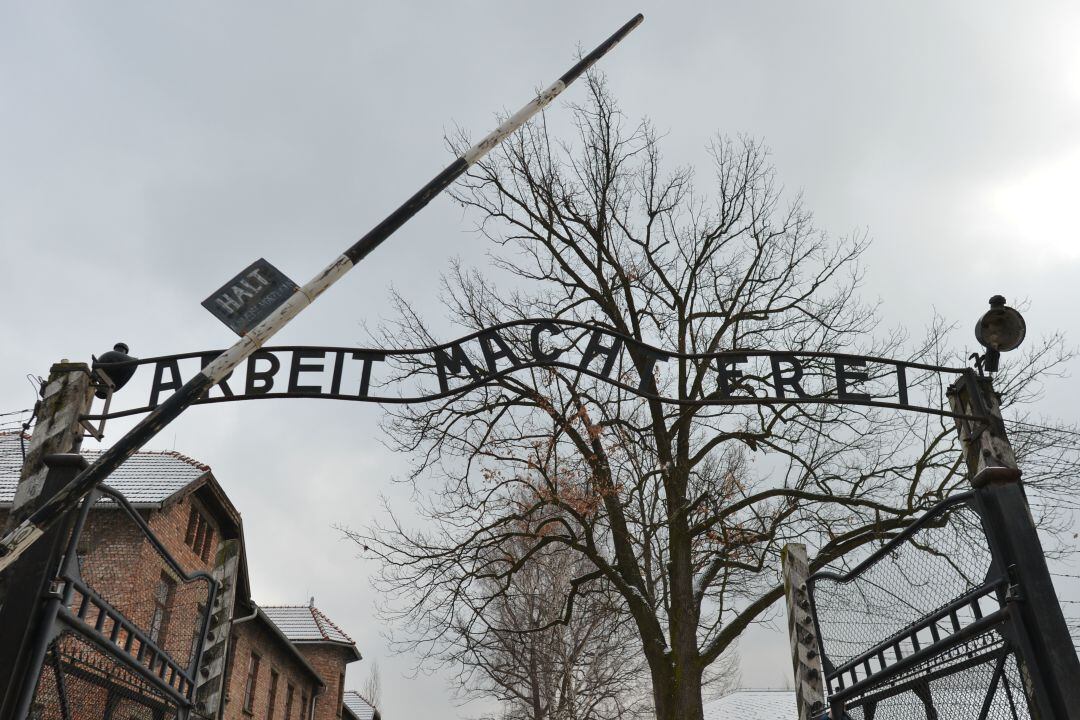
x=30, y=530
x=889, y=547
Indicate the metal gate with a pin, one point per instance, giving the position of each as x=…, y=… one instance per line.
x=123, y=626
x=931, y=626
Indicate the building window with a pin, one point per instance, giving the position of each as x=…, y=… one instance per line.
x=340, y=692
x=273, y=695
x=163, y=599
x=289, y=692
x=82, y=550
x=208, y=541
x=252, y=681
x=199, y=535
x=192, y=527
x=303, y=706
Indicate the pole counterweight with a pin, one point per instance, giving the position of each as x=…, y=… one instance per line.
x=15, y=542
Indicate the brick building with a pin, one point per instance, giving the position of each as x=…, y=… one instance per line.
x=358, y=708
x=273, y=663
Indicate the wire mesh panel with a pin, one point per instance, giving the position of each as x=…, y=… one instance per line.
x=80, y=682
x=120, y=563
x=986, y=686
x=919, y=630
x=130, y=621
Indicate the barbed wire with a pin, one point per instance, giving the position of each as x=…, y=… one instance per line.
x=1035, y=426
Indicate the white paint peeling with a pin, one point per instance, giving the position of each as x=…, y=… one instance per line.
x=321, y=282
x=261, y=333
x=224, y=363
x=18, y=540
x=512, y=123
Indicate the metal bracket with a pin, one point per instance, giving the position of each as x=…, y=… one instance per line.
x=98, y=380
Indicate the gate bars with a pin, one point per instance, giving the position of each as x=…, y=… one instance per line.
x=938, y=622
x=84, y=635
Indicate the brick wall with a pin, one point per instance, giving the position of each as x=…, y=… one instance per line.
x=329, y=661
x=254, y=636
x=119, y=563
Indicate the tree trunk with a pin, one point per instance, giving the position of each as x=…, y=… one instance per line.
x=677, y=693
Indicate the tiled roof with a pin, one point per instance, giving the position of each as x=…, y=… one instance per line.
x=144, y=478
x=753, y=705
x=359, y=707
x=306, y=623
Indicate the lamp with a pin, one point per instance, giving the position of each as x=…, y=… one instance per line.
x=1000, y=329
x=120, y=373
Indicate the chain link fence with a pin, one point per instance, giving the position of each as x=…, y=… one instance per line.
x=79, y=682
x=919, y=629
x=130, y=623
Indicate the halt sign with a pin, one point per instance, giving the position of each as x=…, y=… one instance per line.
x=246, y=300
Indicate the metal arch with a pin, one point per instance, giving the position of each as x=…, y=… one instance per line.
x=778, y=381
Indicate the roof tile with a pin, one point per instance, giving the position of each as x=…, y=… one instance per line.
x=360, y=707
x=306, y=623
x=146, y=477
x=753, y=705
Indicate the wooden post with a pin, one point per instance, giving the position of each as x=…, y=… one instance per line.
x=805, y=652
x=210, y=676
x=26, y=617
x=985, y=442
x=64, y=398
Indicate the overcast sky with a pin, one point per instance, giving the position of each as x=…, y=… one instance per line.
x=149, y=151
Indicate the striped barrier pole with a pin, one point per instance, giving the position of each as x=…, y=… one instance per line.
x=27, y=532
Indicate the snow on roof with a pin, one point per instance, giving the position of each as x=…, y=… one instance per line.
x=359, y=707
x=753, y=705
x=144, y=478
x=305, y=623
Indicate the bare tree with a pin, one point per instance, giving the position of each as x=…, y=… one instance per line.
x=537, y=667
x=679, y=509
x=372, y=691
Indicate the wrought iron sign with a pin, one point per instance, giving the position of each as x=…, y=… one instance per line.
x=759, y=377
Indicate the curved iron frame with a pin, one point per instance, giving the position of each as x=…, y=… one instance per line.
x=138, y=652
x=856, y=676
x=631, y=343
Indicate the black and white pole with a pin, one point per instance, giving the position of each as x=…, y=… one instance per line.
x=26, y=533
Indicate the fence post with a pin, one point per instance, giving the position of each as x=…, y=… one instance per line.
x=1049, y=665
x=26, y=617
x=805, y=652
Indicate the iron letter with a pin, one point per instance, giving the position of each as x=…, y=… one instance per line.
x=727, y=378
x=260, y=382
x=491, y=355
x=610, y=352
x=365, y=374
x=159, y=386
x=538, y=352
x=844, y=376
x=298, y=366
x=792, y=380
x=452, y=363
